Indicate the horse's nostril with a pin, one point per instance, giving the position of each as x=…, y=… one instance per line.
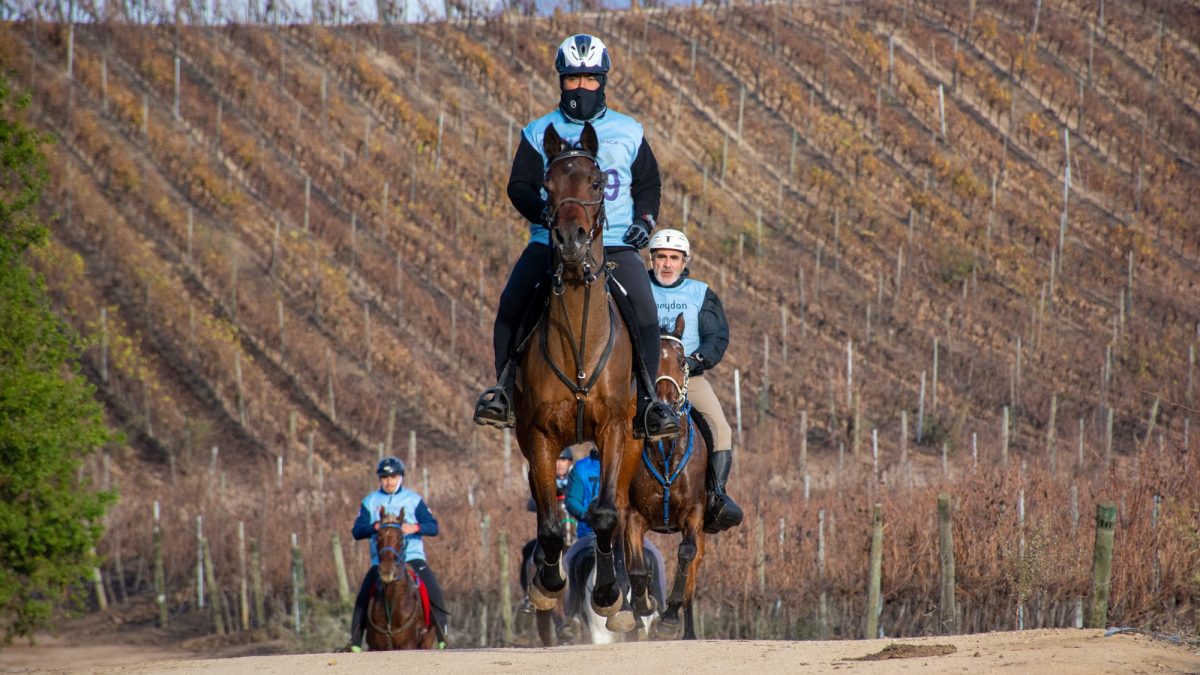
x=581, y=233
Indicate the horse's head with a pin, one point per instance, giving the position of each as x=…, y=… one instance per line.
x=575, y=185
x=390, y=543
x=672, y=382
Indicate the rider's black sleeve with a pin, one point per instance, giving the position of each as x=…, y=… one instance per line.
x=714, y=330
x=425, y=519
x=525, y=182
x=647, y=183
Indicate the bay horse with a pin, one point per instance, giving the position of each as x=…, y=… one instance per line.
x=577, y=384
x=396, y=617
x=668, y=496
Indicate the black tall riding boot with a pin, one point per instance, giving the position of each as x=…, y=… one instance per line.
x=356, y=626
x=722, y=512
x=654, y=419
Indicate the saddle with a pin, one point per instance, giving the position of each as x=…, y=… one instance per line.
x=540, y=301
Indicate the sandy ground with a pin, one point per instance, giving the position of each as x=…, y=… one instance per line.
x=1045, y=651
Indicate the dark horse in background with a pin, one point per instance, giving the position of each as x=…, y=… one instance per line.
x=668, y=496
x=575, y=378
x=396, y=616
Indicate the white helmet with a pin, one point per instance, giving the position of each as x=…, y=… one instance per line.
x=582, y=54
x=672, y=239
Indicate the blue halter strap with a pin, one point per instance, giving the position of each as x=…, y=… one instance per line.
x=393, y=526
x=667, y=476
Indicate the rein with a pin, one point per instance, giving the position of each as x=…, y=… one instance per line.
x=667, y=476
x=582, y=384
x=681, y=388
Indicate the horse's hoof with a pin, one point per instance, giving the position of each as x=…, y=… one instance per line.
x=666, y=629
x=649, y=608
x=608, y=610
x=621, y=622
x=542, y=599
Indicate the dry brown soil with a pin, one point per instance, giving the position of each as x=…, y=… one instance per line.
x=1059, y=652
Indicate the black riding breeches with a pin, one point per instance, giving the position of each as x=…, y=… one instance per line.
x=437, y=601
x=630, y=274
x=533, y=267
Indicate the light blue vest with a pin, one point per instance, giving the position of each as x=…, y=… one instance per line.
x=414, y=545
x=686, y=297
x=620, y=138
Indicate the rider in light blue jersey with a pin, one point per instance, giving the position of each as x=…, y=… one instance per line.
x=705, y=337
x=418, y=523
x=631, y=200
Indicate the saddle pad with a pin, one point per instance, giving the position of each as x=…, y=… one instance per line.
x=425, y=608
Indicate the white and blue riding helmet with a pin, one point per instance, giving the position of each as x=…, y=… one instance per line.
x=673, y=240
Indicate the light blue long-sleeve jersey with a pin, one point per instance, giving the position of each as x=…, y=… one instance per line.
x=415, y=512
x=620, y=138
x=687, y=297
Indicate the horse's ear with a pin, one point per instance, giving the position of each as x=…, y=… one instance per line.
x=678, y=325
x=552, y=143
x=588, y=140
x=382, y=513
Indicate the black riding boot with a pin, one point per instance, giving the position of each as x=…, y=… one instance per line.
x=722, y=513
x=654, y=420
x=358, y=618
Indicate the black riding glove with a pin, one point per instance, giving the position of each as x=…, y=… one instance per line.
x=695, y=363
x=638, y=234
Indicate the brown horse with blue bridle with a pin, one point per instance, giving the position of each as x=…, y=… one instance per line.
x=668, y=496
x=574, y=383
x=397, y=616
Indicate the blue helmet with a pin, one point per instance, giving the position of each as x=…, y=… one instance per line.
x=580, y=54
x=390, y=466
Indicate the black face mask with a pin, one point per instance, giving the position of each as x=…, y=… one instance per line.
x=581, y=104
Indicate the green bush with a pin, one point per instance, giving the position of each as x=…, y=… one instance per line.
x=49, y=519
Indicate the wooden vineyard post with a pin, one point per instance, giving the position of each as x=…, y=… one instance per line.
x=214, y=593
x=256, y=585
x=160, y=576
x=339, y=564
x=946, y=547
x=506, y=614
x=1106, y=518
x=823, y=603
x=244, y=586
x=874, y=583
x=297, y=585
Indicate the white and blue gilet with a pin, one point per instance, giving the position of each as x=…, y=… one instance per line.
x=414, y=545
x=620, y=139
x=686, y=296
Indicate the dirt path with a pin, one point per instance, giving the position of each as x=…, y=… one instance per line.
x=1060, y=652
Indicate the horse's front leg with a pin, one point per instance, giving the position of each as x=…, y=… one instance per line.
x=639, y=574
x=693, y=570
x=549, y=583
x=605, y=517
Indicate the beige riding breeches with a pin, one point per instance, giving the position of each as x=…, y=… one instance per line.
x=700, y=393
